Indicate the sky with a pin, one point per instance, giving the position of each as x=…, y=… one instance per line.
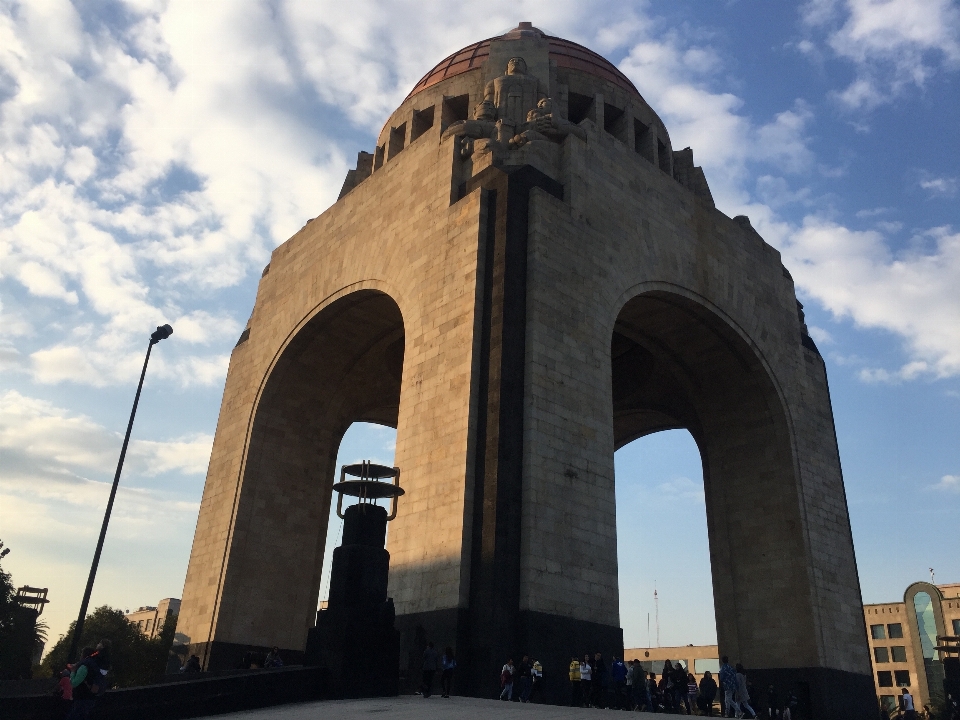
x=153, y=153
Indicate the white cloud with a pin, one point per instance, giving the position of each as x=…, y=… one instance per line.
x=855, y=275
x=893, y=44
x=820, y=336
x=948, y=483
x=940, y=186
x=681, y=488
x=40, y=440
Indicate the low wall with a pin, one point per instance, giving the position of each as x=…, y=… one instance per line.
x=186, y=698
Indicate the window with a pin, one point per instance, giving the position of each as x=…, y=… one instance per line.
x=902, y=677
x=888, y=702
x=877, y=632
x=885, y=678
x=881, y=655
x=702, y=665
x=956, y=627
x=422, y=121
x=899, y=653
x=895, y=630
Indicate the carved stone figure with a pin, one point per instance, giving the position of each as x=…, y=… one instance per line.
x=514, y=93
x=544, y=121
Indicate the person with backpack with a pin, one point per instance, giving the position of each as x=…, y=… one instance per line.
x=449, y=664
x=85, y=681
x=506, y=680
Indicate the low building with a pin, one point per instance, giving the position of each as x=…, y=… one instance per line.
x=904, y=637
x=150, y=619
x=697, y=659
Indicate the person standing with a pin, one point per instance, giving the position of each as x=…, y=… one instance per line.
x=743, y=694
x=586, y=681
x=708, y=693
x=576, y=697
x=653, y=695
x=431, y=661
x=773, y=703
x=599, y=684
x=537, y=675
x=448, y=663
x=525, y=672
x=506, y=680
x=906, y=704
x=679, y=686
x=618, y=679
x=691, y=693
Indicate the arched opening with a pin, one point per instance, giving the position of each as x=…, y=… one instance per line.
x=662, y=543
x=678, y=364
x=342, y=366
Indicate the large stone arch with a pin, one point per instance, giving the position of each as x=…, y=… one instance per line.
x=676, y=362
x=342, y=364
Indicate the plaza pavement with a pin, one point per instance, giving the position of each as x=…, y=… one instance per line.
x=413, y=707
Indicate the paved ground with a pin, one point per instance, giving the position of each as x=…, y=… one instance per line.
x=412, y=707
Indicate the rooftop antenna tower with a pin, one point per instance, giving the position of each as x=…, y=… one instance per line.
x=931, y=576
x=656, y=606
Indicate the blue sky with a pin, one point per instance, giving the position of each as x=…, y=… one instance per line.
x=154, y=153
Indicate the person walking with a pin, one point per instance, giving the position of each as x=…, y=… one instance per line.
x=728, y=681
x=743, y=694
x=537, y=676
x=448, y=663
x=586, y=681
x=906, y=704
x=525, y=673
x=618, y=679
x=85, y=680
x=506, y=680
x=576, y=696
x=691, y=693
x=431, y=662
x=708, y=693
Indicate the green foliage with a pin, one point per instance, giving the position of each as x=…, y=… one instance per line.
x=135, y=659
x=20, y=633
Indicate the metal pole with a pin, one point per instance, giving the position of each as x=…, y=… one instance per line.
x=75, y=643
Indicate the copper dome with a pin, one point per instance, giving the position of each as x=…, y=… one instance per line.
x=565, y=53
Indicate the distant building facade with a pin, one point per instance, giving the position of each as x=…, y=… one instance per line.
x=904, y=637
x=149, y=619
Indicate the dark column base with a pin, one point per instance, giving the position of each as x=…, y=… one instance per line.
x=824, y=693
x=219, y=655
x=551, y=639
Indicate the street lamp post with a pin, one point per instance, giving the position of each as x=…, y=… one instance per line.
x=161, y=333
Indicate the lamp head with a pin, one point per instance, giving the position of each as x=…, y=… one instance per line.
x=162, y=333
x=368, y=487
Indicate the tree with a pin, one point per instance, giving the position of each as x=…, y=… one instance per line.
x=20, y=633
x=135, y=658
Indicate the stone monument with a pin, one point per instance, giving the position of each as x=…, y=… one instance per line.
x=523, y=277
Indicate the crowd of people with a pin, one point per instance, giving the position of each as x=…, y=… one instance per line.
x=629, y=686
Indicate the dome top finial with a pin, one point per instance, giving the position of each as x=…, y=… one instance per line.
x=523, y=30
